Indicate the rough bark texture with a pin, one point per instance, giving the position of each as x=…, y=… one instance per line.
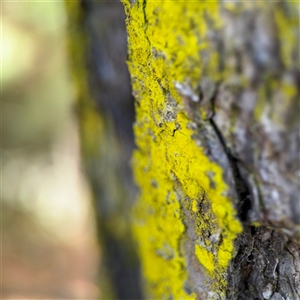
x=216, y=87
x=217, y=129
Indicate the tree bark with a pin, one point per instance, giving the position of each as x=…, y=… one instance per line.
x=216, y=87
x=217, y=129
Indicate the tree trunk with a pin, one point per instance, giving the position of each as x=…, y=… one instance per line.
x=217, y=129
x=216, y=87
x=98, y=50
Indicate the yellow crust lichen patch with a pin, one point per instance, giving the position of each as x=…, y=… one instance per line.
x=165, y=43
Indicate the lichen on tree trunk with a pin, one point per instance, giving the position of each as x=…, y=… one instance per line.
x=217, y=132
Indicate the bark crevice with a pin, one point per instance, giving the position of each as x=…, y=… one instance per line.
x=241, y=186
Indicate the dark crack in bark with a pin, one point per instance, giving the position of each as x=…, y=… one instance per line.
x=241, y=186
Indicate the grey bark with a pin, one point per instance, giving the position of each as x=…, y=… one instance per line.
x=259, y=154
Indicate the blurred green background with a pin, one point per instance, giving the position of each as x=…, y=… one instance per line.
x=49, y=247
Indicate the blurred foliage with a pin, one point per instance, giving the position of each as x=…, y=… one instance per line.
x=48, y=234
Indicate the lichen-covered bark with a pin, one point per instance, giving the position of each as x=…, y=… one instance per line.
x=97, y=48
x=217, y=129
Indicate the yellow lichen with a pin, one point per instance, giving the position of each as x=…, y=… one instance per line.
x=206, y=258
x=287, y=22
x=165, y=42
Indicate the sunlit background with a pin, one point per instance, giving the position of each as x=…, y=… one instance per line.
x=49, y=247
